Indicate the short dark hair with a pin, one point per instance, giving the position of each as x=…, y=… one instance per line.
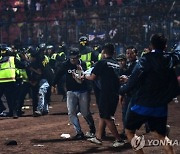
x=158, y=41
x=134, y=49
x=109, y=49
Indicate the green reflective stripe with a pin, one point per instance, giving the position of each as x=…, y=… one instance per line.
x=18, y=75
x=88, y=65
x=54, y=56
x=100, y=56
x=47, y=58
x=18, y=57
x=8, y=70
x=61, y=53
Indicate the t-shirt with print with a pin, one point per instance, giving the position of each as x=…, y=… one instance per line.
x=107, y=70
x=71, y=84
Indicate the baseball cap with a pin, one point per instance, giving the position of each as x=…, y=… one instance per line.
x=74, y=53
x=121, y=57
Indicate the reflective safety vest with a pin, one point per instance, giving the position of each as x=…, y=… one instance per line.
x=45, y=61
x=55, y=55
x=7, y=70
x=22, y=74
x=87, y=59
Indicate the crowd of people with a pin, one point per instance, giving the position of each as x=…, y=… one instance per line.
x=121, y=24
x=143, y=85
x=44, y=53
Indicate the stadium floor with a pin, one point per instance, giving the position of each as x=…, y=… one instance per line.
x=42, y=135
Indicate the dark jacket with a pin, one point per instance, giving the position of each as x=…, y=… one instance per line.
x=156, y=79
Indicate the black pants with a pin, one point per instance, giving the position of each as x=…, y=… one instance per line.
x=9, y=90
x=23, y=91
x=35, y=93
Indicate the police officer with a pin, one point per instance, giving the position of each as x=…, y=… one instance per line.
x=87, y=53
x=8, y=64
x=57, y=60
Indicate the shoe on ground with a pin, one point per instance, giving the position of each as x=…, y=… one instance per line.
x=79, y=114
x=20, y=113
x=15, y=115
x=123, y=136
x=119, y=143
x=95, y=140
x=45, y=113
x=78, y=137
x=90, y=135
x=37, y=114
x=168, y=130
x=6, y=114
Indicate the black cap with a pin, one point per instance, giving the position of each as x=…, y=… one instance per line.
x=74, y=52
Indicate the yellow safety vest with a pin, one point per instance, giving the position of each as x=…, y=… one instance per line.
x=7, y=70
x=87, y=59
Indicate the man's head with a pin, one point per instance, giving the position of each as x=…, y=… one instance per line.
x=74, y=55
x=121, y=60
x=50, y=50
x=108, y=50
x=131, y=53
x=158, y=41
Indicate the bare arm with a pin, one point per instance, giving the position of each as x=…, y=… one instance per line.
x=90, y=77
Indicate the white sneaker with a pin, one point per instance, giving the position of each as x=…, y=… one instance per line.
x=118, y=143
x=95, y=140
x=79, y=114
x=90, y=135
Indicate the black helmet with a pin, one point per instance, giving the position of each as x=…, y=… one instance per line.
x=97, y=48
x=32, y=51
x=42, y=45
x=83, y=40
x=6, y=51
x=50, y=47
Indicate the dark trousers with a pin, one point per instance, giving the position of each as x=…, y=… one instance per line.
x=35, y=93
x=23, y=91
x=61, y=87
x=9, y=90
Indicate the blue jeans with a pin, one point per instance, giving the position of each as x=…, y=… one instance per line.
x=79, y=101
x=42, y=103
